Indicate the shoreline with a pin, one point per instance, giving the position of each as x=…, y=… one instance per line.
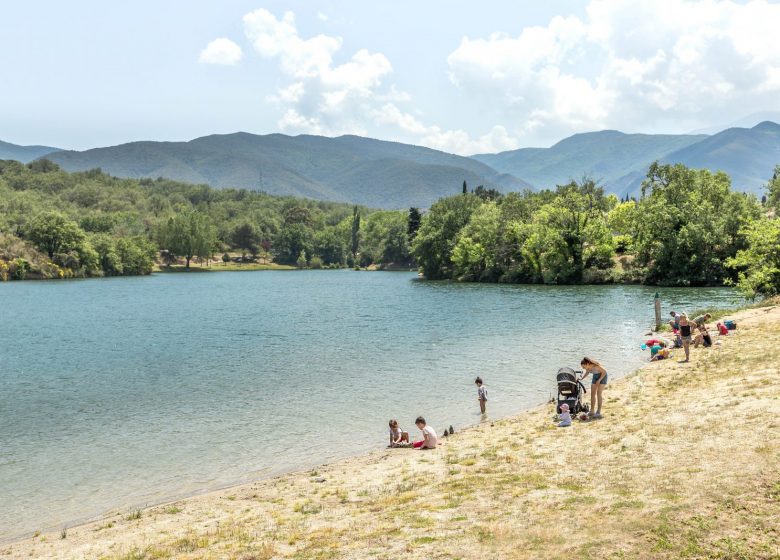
x=357, y=478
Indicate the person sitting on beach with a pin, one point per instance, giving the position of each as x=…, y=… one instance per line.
x=722, y=329
x=398, y=437
x=598, y=382
x=430, y=439
x=674, y=322
x=564, y=416
x=481, y=394
x=702, y=338
x=662, y=354
x=686, y=335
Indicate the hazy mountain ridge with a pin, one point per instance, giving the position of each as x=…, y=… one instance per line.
x=395, y=175
x=620, y=161
x=607, y=155
x=346, y=169
x=23, y=153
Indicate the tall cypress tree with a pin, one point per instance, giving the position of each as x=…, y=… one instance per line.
x=355, y=231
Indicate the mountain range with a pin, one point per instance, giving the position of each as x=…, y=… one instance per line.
x=23, y=153
x=394, y=175
x=348, y=168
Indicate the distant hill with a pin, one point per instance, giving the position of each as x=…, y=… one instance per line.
x=748, y=155
x=348, y=168
x=23, y=153
x=620, y=161
x=608, y=156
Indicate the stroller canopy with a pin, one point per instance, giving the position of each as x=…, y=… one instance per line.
x=566, y=374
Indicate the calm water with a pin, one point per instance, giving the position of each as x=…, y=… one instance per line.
x=118, y=393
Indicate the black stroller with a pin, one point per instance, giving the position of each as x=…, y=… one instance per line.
x=570, y=391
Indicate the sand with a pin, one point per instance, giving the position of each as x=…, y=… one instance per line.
x=685, y=464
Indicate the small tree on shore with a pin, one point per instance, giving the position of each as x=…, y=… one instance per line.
x=189, y=234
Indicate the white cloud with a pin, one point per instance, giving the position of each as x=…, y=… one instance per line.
x=322, y=17
x=455, y=141
x=628, y=65
x=221, y=51
x=351, y=97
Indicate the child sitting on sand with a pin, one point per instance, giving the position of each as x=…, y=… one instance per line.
x=398, y=438
x=662, y=354
x=564, y=416
x=722, y=329
x=430, y=440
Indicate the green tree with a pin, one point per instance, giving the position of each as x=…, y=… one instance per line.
x=773, y=189
x=413, y=223
x=687, y=225
x=246, y=237
x=475, y=252
x=758, y=265
x=189, y=234
x=290, y=242
x=355, y=238
x=438, y=233
x=301, y=260
x=576, y=232
x=54, y=233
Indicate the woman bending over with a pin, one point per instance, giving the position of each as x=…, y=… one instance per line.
x=598, y=382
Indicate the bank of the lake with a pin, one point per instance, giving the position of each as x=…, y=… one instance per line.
x=125, y=392
x=686, y=463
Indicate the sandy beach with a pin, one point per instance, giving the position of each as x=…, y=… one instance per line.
x=685, y=464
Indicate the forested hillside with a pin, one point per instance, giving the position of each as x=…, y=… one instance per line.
x=688, y=228
x=55, y=224
x=344, y=169
x=619, y=162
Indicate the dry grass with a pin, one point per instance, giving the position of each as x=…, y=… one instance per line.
x=686, y=464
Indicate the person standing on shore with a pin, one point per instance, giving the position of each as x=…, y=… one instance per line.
x=481, y=394
x=686, y=335
x=598, y=382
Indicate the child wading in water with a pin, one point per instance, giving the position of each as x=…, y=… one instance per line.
x=430, y=440
x=599, y=381
x=397, y=436
x=481, y=394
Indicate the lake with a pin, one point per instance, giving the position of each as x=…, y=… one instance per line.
x=118, y=393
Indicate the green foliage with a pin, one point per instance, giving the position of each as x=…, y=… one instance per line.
x=53, y=233
x=758, y=265
x=246, y=237
x=355, y=237
x=80, y=216
x=438, y=234
x=189, y=234
x=385, y=239
x=773, y=189
x=687, y=224
x=413, y=223
x=551, y=237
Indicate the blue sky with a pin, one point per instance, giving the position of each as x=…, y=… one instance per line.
x=460, y=76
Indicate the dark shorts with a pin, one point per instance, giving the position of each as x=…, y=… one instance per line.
x=597, y=379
